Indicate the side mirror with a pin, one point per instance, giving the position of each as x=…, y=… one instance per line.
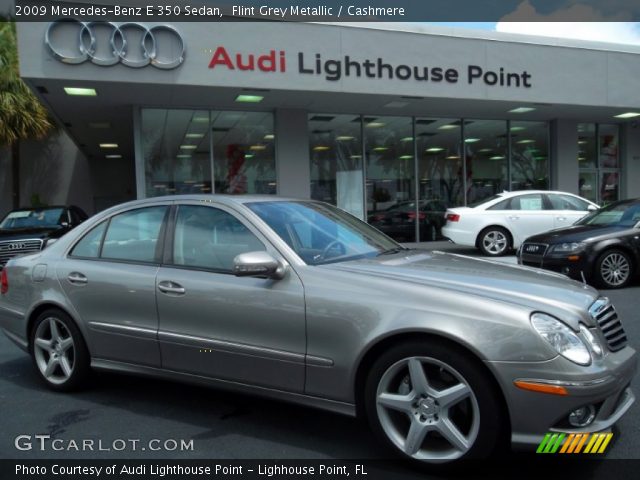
x=592, y=208
x=258, y=264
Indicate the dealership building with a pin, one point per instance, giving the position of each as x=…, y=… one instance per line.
x=366, y=116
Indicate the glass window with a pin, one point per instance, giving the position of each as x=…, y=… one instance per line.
x=608, y=146
x=567, y=202
x=527, y=202
x=587, y=145
x=609, y=187
x=485, y=145
x=335, y=150
x=207, y=237
x=440, y=172
x=390, y=174
x=320, y=233
x=177, y=156
x=89, y=246
x=244, y=152
x=503, y=205
x=529, y=155
x=34, y=218
x=134, y=235
x=587, y=185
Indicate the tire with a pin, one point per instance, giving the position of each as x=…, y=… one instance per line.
x=494, y=241
x=614, y=269
x=469, y=426
x=59, y=352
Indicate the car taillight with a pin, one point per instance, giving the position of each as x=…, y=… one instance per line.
x=4, y=282
x=412, y=216
x=453, y=217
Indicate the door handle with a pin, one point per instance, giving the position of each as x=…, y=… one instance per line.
x=513, y=217
x=77, y=278
x=171, y=287
x=562, y=219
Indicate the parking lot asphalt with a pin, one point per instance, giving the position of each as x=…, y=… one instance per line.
x=222, y=425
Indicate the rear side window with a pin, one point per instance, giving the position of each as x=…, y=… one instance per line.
x=133, y=235
x=504, y=205
x=89, y=246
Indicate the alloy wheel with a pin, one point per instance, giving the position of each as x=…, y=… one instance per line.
x=495, y=242
x=54, y=350
x=615, y=269
x=427, y=409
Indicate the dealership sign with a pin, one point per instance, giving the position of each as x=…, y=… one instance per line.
x=105, y=43
x=335, y=69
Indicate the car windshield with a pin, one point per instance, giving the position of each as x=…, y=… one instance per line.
x=617, y=214
x=33, y=218
x=320, y=233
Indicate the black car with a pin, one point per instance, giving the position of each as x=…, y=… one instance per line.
x=602, y=248
x=398, y=221
x=28, y=230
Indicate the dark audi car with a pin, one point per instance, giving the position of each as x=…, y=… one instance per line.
x=28, y=230
x=602, y=248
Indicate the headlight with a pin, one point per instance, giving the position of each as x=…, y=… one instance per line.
x=568, y=247
x=561, y=338
x=592, y=340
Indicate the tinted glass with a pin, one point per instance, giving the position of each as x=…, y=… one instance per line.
x=617, y=214
x=210, y=238
x=486, y=149
x=527, y=202
x=34, y=218
x=504, y=205
x=529, y=155
x=134, y=235
x=89, y=246
x=320, y=233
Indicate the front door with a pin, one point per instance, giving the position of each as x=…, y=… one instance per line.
x=212, y=323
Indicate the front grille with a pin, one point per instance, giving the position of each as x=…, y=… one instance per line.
x=12, y=248
x=607, y=318
x=534, y=249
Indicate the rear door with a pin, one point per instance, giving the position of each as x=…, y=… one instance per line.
x=527, y=215
x=110, y=279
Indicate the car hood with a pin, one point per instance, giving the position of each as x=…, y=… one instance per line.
x=26, y=233
x=532, y=288
x=578, y=233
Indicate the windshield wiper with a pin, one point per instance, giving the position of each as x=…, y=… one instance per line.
x=392, y=251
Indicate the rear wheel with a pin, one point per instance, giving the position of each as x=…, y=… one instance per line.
x=59, y=352
x=494, y=241
x=614, y=269
x=431, y=403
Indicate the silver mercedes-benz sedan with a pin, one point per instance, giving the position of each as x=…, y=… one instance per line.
x=446, y=356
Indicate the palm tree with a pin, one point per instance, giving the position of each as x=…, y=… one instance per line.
x=22, y=116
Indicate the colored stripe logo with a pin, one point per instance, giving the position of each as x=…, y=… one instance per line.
x=574, y=443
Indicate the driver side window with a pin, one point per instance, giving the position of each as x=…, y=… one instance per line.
x=210, y=238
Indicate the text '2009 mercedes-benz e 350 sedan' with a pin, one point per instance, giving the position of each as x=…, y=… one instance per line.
x=446, y=356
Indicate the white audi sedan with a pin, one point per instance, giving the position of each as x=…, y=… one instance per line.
x=502, y=222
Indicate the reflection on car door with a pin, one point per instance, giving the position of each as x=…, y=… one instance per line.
x=245, y=329
x=110, y=277
x=527, y=216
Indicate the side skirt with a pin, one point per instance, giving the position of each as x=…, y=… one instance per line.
x=298, y=398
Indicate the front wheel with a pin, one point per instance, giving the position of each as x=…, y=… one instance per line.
x=614, y=269
x=59, y=351
x=431, y=403
x=494, y=241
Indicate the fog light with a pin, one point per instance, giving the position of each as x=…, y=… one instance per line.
x=583, y=416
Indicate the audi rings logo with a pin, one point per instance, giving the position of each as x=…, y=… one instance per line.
x=132, y=44
x=16, y=246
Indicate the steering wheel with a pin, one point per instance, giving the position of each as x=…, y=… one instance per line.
x=331, y=246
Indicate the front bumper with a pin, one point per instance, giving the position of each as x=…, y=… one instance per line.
x=604, y=384
x=575, y=269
